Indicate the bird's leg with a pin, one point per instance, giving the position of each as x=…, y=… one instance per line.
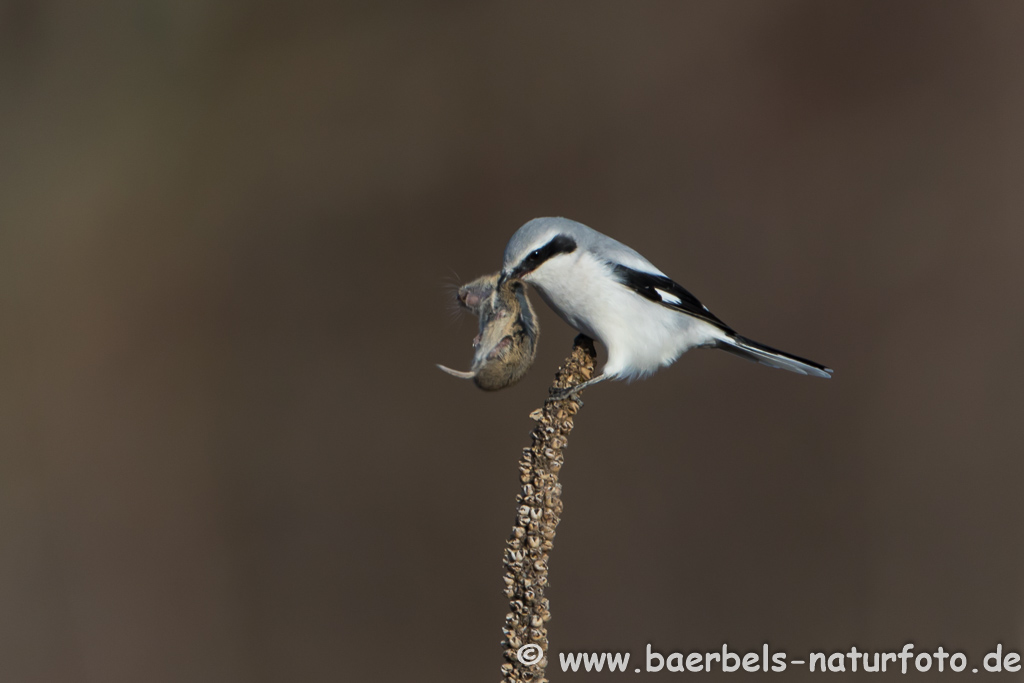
x=572, y=391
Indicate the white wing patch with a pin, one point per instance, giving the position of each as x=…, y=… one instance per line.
x=668, y=298
x=673, y=299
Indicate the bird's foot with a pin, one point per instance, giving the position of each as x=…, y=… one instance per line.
x=572, y=392
x=568, y=392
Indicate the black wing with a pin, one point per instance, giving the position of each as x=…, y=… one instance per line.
x=666, y=292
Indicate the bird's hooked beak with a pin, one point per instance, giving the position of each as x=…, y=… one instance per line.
x=516, y=272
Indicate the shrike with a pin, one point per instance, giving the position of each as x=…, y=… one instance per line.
x=611, y=293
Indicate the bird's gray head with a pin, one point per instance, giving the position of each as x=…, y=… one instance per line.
x=540, y=241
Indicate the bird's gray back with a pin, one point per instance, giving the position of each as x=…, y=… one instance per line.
x=540, y=231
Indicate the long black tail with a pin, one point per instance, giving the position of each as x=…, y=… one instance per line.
x=766, y=355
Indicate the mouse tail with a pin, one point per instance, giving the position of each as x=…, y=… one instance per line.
x=457, y=373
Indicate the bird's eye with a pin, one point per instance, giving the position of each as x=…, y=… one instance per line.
x=535, y=253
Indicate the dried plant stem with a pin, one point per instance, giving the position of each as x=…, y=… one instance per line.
x=539, y=507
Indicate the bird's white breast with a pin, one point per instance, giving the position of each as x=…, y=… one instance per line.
x=639, y=335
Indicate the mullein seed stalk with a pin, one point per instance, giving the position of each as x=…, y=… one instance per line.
x=538, y=511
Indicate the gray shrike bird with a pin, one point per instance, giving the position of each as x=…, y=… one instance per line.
x=611, y=293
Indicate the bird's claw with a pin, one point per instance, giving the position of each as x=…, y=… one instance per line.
x=568, y=392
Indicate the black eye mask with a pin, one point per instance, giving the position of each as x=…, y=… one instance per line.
x=560, y=244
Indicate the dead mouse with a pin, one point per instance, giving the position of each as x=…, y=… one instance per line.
x=507, y=343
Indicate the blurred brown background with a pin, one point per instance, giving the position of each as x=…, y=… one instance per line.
x=228, y=236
